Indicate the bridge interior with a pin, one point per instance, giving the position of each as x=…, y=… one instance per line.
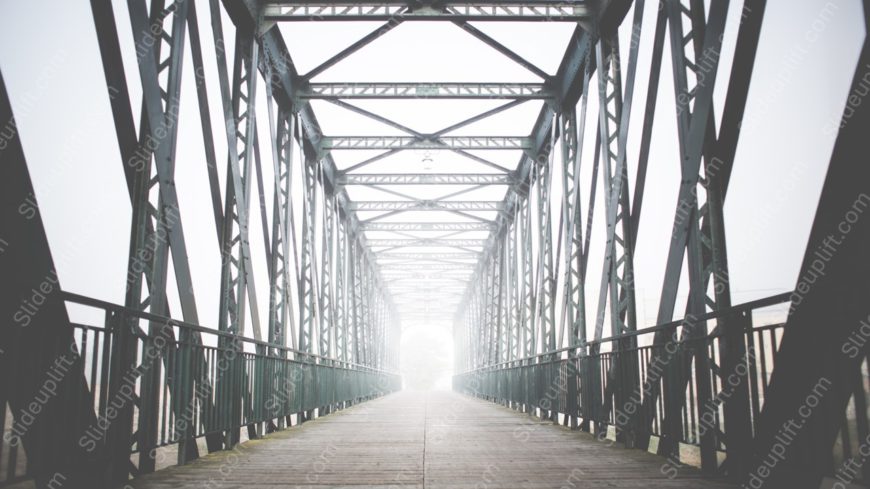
x=434, y=439
x=491, y=187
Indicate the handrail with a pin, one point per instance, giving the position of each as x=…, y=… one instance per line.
x=101, y=304
x=746, y=306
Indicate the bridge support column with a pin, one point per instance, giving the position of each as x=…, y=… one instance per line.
x=41, y=364
x=825, y=340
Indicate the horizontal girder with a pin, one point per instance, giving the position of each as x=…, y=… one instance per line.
x=412, y=142
x=452, y=276
x=461, y=243
x=427, y=205
x=427, y=276
x=430, y=266
x=428, y=226
x=540, y=11
x=426, y=256
x=426, y=294
x=360, y=90
x=427, y=179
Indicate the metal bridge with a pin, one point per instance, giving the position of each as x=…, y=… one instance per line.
x=558, y=381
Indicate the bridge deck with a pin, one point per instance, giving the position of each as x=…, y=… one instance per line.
x=426, y=440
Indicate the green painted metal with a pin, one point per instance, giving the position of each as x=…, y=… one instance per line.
x=562, y=382
x=256, y=389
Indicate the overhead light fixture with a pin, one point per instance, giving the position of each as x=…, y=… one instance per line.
x=427, y=161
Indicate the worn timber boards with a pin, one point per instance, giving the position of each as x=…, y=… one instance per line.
x=426, y=440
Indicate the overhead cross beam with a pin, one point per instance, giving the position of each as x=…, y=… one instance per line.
x=427, y=226
x=427, y=205
x=394, y=243
x=529, y=11
x=426, y=179
x=426, y=256
x=395, y=276
x=422, y=267
x=329, y=143
x=444, y=90
x=434, y=138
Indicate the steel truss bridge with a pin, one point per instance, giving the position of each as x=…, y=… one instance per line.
x=345, y=274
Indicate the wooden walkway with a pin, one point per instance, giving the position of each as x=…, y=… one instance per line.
x=432, y=440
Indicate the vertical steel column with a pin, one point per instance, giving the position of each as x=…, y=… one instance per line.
x=327, y=308
x=527, y=320
x=341, y=293
x=618, y=275
x=365, y=309
x=156, y=207
x=509, y=319
x=236, y=272
x=514, y=294
x=239, y=112
x=307, y=288
x=38, y=343
x=738, y=436
x=617, y=282
x=279, y=274
x=698, y=63
x=502, y=327
x=495, y=307
x=280, y=309
x=307, y=291
x=824, y=344
x=574, y=304
x=356, y=298
x=546, y=280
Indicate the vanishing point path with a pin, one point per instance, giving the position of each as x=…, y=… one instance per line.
x=431, y=440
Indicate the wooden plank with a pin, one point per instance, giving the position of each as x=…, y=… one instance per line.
x=434, y=440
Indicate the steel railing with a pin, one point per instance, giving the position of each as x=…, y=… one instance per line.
x=646, y=383
x=164, y=382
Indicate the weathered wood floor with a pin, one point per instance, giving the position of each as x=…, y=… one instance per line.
x=426, y=440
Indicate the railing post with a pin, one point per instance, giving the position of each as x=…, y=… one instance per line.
x=252, y=395
x=704, y=397
x=586, y=408
x=737, y=410
x=595, y=397
x=149, y=395
x=185, y=401
x=229, y=392
x=120, y=428
x=571, y=408
x=672, y=428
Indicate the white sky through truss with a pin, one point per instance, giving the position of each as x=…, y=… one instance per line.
x=50, y=62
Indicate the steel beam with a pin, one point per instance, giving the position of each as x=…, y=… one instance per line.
x=426, y=179
x=427, y=226
x=397, y=276
x=455, y=243
x=428, y=266
x=536, y=11
x=427, y=205
x=435, y=90
x=38, y=339
x=138, y=170
x=330, y=143
x=818, y=366
x=391, y=255
x=159, y=130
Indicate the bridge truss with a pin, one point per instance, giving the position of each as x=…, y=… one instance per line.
x=344, y=274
